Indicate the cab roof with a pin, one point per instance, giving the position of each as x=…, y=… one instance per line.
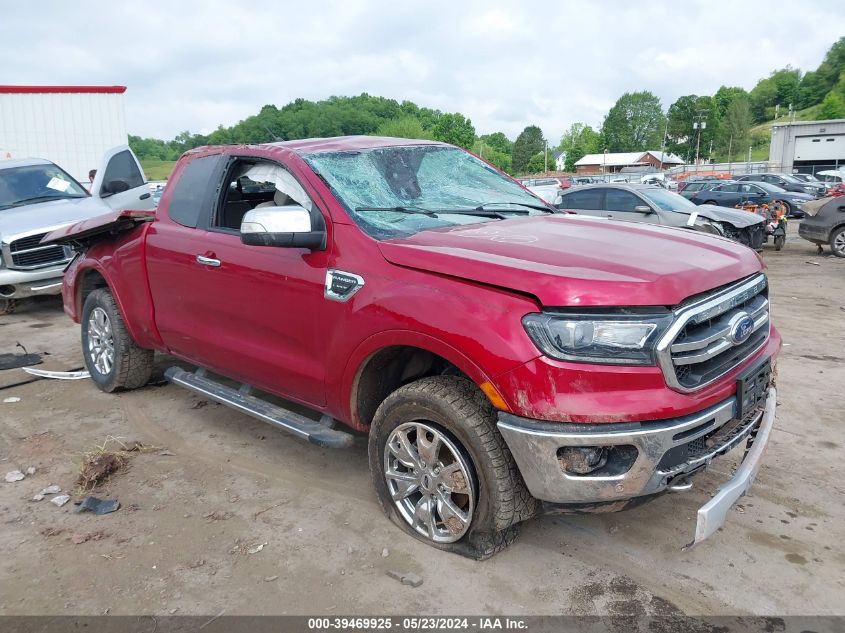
x=347, y=143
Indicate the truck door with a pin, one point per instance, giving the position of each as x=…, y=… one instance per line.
x=120, y=181
x=248, y=312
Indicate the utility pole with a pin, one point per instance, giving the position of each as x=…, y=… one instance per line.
x=748, y=164
x=545, y=156
x=710, y=155
x=699, y=124
x=663, y=147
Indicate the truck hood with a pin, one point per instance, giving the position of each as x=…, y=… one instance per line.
x=579, y=261
x=47, y=216
x=737, y=217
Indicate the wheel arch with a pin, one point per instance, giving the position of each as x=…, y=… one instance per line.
x=390, y=359
x=90, y=277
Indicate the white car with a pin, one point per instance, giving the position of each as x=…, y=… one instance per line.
x=37, y=197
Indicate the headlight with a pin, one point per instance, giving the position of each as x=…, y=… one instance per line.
x=593, y=338
x=809, y=189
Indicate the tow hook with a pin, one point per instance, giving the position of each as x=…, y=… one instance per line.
x=681, y=485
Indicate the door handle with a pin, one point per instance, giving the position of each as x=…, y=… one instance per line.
x=207, y=261
x=145, y=196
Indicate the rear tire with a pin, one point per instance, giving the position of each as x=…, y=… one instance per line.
x=449, y=412
x=112, y=358
x=837, y=242
x=711, y=202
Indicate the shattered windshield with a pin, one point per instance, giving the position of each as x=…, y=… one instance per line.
x=31, y=184
x=398, y=191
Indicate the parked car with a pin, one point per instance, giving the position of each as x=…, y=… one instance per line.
x=561, y=182
x=825, y=224
x=546, y=188
x=787, y=182
x=37, y=197
x=732, y=193
x=810, y=178
x=689, y=187
x=495, y=353
x=654, y=205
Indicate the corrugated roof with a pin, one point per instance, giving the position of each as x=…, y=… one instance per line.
x=614, y=159
x=62, y=89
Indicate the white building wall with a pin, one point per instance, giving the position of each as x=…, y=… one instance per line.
x=71, y=129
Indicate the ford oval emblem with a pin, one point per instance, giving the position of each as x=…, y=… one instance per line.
x=741, y=328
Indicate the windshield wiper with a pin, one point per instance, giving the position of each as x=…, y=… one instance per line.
x=540, y=207
x=478, y=212
x=412, y=210
x=41, y=198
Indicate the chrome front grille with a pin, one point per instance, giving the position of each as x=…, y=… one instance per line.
x=26, y=253
x=704, y=342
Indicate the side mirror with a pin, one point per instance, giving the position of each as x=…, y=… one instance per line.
x=289, y=226
x=112, y=187
x=642, y=208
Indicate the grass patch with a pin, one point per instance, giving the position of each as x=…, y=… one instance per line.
x=158, y=169
x=105, y=460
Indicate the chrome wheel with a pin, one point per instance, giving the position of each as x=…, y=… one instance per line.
x=100, y=341
x=839, y=243
x=430, y=482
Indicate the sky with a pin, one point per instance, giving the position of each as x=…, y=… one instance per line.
x=197, y=65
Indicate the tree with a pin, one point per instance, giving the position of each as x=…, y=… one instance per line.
x=406, y=127
x=734, y=131
x=498, y=141
x=492, y=155
x=832, y=107
x=572, y=157
x=634, y=123
x=454, y=129
x=537, y=163
x=529, y=142
x=725, y=95
x=579, y=140
x=781, y=88
x=682, y=136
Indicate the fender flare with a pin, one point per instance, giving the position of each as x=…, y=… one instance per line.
x=365, y=350
x=147, y=338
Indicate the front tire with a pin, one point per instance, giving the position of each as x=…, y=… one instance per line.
x=112, y=358
x=780, y=240
x=837, y=242
x=443, y=472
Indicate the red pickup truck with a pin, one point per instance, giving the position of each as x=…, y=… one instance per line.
x=502, y=359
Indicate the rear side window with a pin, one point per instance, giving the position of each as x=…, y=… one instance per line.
x=589, y=199
x=618, y=200
x=123, y=167
x=729, y=188
x=195, y=190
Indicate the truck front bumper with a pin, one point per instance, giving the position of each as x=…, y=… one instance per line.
x=19, y=284
x=639, y=458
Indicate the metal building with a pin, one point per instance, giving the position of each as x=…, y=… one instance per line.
x=807, y=146
x=70, y=125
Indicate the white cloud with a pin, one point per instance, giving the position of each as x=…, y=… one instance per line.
x=196, y=65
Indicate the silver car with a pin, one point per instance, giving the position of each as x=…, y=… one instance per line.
x=37, y=197
x=656, y=205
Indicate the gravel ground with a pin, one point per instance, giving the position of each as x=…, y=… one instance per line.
x=218, y=485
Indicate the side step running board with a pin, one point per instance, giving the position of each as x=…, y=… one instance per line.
x=316, y=432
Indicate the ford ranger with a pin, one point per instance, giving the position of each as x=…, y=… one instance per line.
x=502, y=359
x=37, y=197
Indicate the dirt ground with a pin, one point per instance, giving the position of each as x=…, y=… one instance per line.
x=220, y=484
